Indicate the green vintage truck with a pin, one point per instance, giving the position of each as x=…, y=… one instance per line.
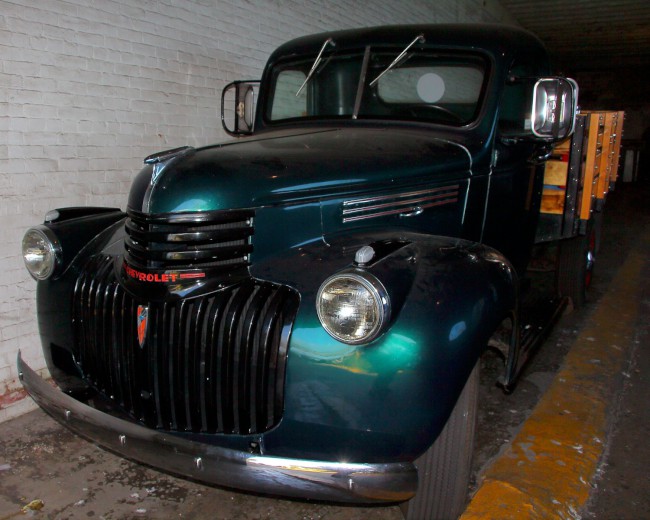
x=300, y=311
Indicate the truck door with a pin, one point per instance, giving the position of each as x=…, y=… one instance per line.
x=517, y=174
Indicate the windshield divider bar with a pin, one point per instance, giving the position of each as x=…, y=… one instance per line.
x=362, y=81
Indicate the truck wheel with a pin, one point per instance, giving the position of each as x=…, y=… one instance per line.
x=575, y=265
x=598, y=229
x=444, y=469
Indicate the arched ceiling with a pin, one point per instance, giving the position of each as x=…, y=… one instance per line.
x=589, y=34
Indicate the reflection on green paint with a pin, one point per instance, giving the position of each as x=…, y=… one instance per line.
x=392, y=353
x=457, y=330
x=193, y=205
x=317, y=344
x=404, y=350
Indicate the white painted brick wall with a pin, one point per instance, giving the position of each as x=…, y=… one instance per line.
x=87, y=89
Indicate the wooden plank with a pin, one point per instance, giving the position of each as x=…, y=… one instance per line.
x=617, y=137
x=553, y=201
x=555, y=172
x=590, y=176
x=605, y=164
x=562, y=147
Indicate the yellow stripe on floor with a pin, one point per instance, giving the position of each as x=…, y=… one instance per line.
x=548, y=469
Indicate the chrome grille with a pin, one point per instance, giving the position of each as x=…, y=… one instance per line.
x=210, y=364
x=189, y=240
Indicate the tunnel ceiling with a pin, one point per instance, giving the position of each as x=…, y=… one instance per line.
x=605, y=45
x=589, y=34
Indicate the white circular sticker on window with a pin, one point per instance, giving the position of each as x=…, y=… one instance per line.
x=431, y=87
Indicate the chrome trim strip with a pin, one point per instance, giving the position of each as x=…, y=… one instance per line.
x=398, y=203
x=307, y=479
x=464, y=148
x=397, y=211
x=385, y=205
x=401, y=195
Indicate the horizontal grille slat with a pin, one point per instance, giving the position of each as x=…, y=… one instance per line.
x=189, y=240
x=190, y=234
x=209, y=364
x=199, y=252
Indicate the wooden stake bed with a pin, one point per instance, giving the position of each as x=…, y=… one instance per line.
x=580, y=173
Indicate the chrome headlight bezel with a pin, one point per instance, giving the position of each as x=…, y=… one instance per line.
x=41, y=241
x=380, y=301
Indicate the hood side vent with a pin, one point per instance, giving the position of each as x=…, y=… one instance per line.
x=402, y=204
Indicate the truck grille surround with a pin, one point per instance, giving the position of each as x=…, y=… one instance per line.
x=209, y=364
x=211, y=239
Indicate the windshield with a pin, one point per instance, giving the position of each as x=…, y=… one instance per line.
x=423, y=86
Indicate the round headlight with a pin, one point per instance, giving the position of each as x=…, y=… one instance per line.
x=39, y=253
x=352, y=308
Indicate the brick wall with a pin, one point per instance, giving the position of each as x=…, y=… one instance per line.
x=87, y=89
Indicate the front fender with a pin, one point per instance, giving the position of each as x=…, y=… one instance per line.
x=387, y=400
x=79, y=232
x=76, y=228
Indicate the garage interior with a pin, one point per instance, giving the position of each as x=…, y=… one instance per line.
x=47, y=161
x=605, y=46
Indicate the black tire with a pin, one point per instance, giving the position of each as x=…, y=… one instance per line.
x=598, y=229
x=444, y=469
x=575, y=265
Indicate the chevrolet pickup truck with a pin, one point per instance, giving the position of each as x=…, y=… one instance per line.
x=301, y=311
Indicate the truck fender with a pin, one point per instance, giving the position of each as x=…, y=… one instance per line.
x=77, y=228
x=447, y=295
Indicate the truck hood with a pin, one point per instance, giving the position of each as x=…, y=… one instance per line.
x=289, y=167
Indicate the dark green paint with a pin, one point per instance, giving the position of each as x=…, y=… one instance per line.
x=387, y=400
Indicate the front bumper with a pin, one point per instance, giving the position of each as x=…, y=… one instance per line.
x=308, y=479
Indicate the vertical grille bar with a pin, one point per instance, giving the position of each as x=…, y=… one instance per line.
x=156, y=372
x=188, y=318
x=255, y=368
x=234, y=366
x=210, y=364
x=171, y=365
x=210, y=381
x=128, y=348
x=203, y=362
x=134, y=360
x=116, y=366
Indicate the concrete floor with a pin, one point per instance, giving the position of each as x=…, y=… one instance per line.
x=41, y=460
x=622, y=488
x=583, y=453
x=48, y=472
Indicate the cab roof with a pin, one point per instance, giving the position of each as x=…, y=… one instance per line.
x=497, y=40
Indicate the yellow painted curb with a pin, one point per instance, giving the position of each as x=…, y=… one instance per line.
x=547, y=470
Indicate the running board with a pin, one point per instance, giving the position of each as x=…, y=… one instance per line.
x=536, y=322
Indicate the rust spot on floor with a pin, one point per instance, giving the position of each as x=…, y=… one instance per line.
x=9, y=397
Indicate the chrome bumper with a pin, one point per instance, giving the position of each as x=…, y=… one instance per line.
x=309, y=479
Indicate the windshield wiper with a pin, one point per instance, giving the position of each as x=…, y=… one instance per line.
x=329, y=41
x=419, y=37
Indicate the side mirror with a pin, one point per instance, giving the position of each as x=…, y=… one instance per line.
x=239, y=97
x=555, y=104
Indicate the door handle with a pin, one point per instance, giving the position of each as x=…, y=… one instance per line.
x=413, y=213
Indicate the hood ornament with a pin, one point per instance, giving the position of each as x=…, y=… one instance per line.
x=161, y=160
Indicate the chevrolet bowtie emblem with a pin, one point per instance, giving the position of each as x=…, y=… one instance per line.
x=142, y=319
